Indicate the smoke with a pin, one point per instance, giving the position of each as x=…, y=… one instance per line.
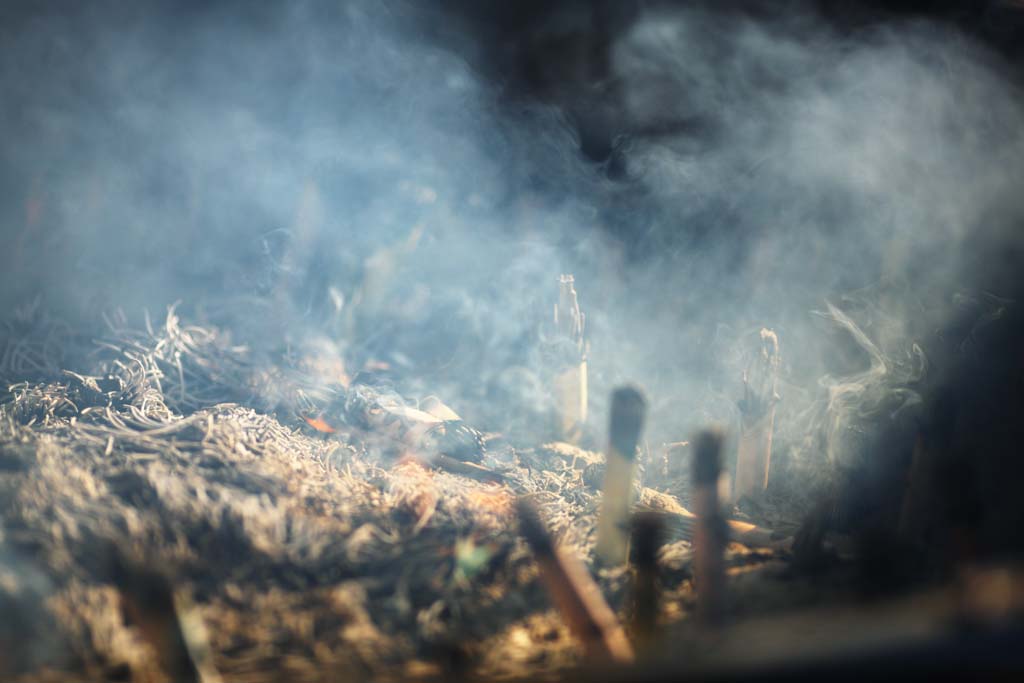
x=303, y=163
x=861, y=170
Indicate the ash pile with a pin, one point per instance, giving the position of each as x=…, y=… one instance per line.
x=185, y=506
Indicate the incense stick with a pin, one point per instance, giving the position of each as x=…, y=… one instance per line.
x=647, y=533
x=578, y=598
x=626, y=423
x=710, y=532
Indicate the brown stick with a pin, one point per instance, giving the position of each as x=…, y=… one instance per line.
x=753, y=459
x=627, y=419
x=710, y=531
x=647, y=533
x=577, y=597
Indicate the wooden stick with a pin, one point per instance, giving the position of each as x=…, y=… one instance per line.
x=753, y=459
x=647, y=533
x=626, y=423
x=570, y=381
x=710, y=531
x=577, y=597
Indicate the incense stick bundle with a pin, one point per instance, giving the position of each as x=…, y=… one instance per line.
x=570, y=379
x=753, y=458
x=627, y=419
x=710, y=532
x=577, y=597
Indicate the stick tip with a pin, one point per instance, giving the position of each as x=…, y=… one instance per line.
x=532, y=528
x=707, y=463
x=648, y=528
x=627, y=419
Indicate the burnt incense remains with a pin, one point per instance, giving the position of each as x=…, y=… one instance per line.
x=432, y=429
x=753, y=458
x=626, y=422
x=574, y=592
x=569, y=384
x=711, y=532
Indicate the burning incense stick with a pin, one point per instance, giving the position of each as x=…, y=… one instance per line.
x=570, y=381
x=710, y=534
x=574, y=592
x=753, y=459
x=627, y=419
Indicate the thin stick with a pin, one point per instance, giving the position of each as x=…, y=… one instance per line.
x=647, y=534
x=710, y=533
x=577, y=597
x=626, y=423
